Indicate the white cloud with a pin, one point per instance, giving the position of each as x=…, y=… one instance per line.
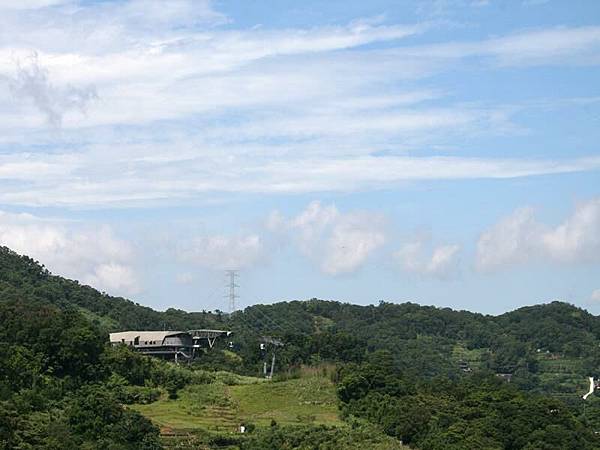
x=338, y=242
x=29, y=4
x=595, y=297
x=165, y=13
x=102, y=27
x=549, y=46
x=31, y=82
x=418, y=256
x=93, y=256
x=163, y=78
x=296, y=110
x=520, y=238
x=220, y=252
x=113, y=277
x=147, y=174
x=510, y=241
x=352, y=240
x=578, y=238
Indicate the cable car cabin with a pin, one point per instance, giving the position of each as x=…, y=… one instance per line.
x=165, y=344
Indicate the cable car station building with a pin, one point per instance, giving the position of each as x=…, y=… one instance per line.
x=168, y=344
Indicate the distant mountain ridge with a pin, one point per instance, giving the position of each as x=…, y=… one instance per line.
x=424, y=339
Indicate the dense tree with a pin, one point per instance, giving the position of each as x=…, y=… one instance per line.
x=480, y=411
x=424, y=375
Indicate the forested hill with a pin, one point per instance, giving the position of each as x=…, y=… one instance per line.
x=22, y=276
x=424, y=339
x=421, y=336
x=418, y=374
x=429, y=341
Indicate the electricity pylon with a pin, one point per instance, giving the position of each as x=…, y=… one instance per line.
x=232, y=274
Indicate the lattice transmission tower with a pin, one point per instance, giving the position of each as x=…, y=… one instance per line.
x=231, y=277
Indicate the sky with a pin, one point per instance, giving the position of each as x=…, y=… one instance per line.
x=443, y=152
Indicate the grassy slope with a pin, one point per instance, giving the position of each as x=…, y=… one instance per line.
x=304, y=400
x=198, y=407
x=208, y=416
x=220, y=407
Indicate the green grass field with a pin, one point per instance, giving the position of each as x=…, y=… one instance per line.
x=309, y=399
x=205, y=406
x=223, y=407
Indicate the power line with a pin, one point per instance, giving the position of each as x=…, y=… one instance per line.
x=211, y=296
x=232, y=274
x=265, y=322
x=251, y=314
x=254, y=328
x=257, y=326
x=273, y=322
x=291, y=327
x=249, y=325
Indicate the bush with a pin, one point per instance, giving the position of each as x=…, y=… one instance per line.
x=95, y=416
x=138, y=394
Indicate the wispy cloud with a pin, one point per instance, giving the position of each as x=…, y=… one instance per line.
x=196, y=107
x=30, y=4
x=31, y=82
x=120, y=176
x=558, y=45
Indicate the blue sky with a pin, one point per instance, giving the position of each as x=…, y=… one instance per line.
x=442, y=152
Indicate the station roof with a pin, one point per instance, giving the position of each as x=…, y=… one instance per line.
x=143, y=335
x=204, y=333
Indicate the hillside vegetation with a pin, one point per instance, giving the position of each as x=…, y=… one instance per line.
x=382, y=374
x=218, y=409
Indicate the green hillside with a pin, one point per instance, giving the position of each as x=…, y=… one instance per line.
x=309, y=399
x=231, y=401
x=211, y=414
x=346, y=376
x=24, y=275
